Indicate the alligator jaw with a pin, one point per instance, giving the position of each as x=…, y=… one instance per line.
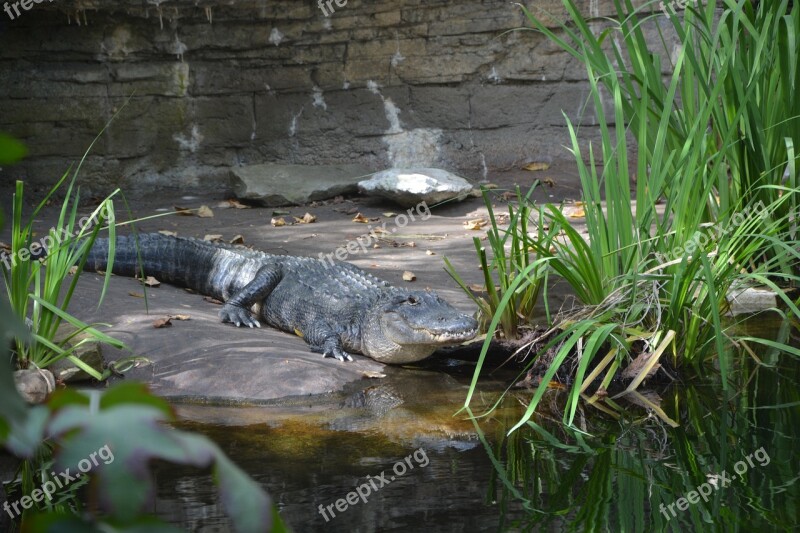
x=404, y=333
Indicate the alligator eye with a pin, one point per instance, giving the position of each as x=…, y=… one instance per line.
x=412, y=300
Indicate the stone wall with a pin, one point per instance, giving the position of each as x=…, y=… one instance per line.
x=211, y=85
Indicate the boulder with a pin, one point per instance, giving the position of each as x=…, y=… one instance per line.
x=34, y=384
x=412, y=186
x=275, y=185
x=747, y=300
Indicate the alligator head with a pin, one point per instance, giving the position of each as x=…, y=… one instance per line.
x=407, y=326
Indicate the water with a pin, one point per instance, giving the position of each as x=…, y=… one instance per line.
x=621, y=469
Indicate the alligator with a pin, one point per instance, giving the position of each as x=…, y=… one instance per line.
x=337, y=308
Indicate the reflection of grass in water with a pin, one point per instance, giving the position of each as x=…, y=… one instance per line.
x=617, y=479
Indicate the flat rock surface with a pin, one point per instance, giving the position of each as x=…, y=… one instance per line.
x=202, y=359
x=272, y=184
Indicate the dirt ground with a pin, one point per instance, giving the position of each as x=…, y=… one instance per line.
x=203, y=359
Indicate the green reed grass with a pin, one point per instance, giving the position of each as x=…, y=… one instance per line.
x=698, y=170
x=40, y=289
x=510, y=271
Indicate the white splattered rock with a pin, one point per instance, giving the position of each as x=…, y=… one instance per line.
x=411, y=186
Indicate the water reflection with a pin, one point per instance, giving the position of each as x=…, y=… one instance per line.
x=730, y=464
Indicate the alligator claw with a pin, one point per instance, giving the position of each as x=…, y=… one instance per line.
x=341, y=355
x=238, y=316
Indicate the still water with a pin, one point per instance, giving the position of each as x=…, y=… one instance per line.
x=410, y=462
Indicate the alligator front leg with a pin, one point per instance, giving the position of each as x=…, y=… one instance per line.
x=327, y=342
x=237, y=309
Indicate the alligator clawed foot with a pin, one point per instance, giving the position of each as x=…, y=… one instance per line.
x=341, y=355
x=238, y=316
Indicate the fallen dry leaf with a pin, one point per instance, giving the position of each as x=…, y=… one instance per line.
x=150, y=281
x=180, y=317
x=308, y=218
x=638, y=364
x=481, y=288
x=211, y=300
x=205, y=212
x=162, y=323
x=237, y=239
x=136, y=294
x=361, y=219
x=475, y=224
x=429, y=252
x=352, y=210
x=389, y=214
x=73, y=270
x=232, y=203
x=536, y=166
x=5, y=246
x=182, y=211
x=168, y=233
x=578, y=213
x=409, y=276
x=278, y=222
x=549, y=182
x=213, y=238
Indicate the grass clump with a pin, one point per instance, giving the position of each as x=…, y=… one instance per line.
x=715, y=202
x=41, y=276
x=520, y=280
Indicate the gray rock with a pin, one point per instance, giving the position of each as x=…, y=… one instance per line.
x=747, y=300
x=273, y=185
x=34, y=384
x=411, y=186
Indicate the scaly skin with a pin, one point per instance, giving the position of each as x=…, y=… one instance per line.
x=336, y=308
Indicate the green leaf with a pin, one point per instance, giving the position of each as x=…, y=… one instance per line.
x=134, y=393
x=11, y=150
x=121, y=470
x=243, y=499
x=28, y=433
